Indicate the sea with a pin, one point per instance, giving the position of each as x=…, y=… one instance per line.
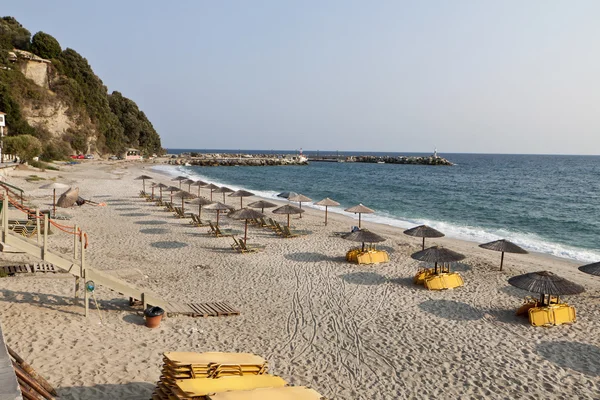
x=548, y=204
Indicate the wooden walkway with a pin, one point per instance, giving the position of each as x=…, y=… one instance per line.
x=9, y=387
x=29, y=268
x=220, y=309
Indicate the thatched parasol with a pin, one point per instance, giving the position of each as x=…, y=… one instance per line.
x=423, y=231
x=68, y=198
x=262, y=204
x=161, y=186
x=200, y=184
x=300, y=198
x=327, y=202
x=245, y=214
x=189, y=182
x=173, y=189
x=288, y=209
x=241, y=194
x=143, y=179
x=223, y=189
x=592, y=269
x=212, y=187
x=180, y=179
x=360, y=209
x=545, y=283
x=218, y=207
x=437, y=255
x=54, y=186
x=184, y=196
x=364, y=236
x=287, y=195
x=504, y=246
x=201, y=201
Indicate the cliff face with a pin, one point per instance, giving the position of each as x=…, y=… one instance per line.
x=60, y=100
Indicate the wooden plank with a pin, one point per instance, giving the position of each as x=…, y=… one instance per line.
x=9, y=387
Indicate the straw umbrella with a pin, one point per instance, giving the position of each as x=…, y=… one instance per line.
x=364, y=236
x=143, y=179
x=360, y=209
x=287, y=195
x=423, y=231
x=173, y=189
x=241, y=194
x=201, y=201
x=288, y=209
x=545, y=283
x=212, y=188
x=200, y=184
x=223, y=189
x=300, y=198
x=54, y=186
x=153, y=185
x=437, y=255
x=161, y=186
x=68, y=198
x=245, y=214
x=218, y=207
x=327, y=202
x=592, y=269
x=184, y=196
x=180, y=179
x=262, y=204
x=504, y=246
x=189, y=182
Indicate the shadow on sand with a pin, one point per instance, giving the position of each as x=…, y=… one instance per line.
x=364, y=278
x=134, y=319
x=153, y=222
x=154, y=231
x=580, y=357
x=169, y=245
x=452, y=310
x=125, y=391
x=306, y=257
x=134, y=215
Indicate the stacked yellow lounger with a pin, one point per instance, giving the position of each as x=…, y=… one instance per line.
x=283, y=393
x=445, y=280
x=198, y=389
x=555, y=314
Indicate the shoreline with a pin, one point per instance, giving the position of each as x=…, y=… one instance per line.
x=348, y=331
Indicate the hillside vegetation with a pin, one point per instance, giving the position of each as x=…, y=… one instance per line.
x=74, y=113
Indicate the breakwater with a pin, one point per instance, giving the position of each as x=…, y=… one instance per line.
x=219, y=159
x=415, y=160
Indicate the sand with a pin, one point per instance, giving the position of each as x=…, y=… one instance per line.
x=348, y=331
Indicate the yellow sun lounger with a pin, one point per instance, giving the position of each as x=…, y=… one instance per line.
x=189, y=358
x=283, y=393
x=446, y=280
x=195, y=388
x=552, y=315
x=423, y=274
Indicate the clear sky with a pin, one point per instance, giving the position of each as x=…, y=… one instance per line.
x=465, y=76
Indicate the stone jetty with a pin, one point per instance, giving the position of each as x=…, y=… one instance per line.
x=249, y=160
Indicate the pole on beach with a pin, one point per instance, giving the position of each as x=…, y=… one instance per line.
x=359, y=214
x=501, y=261
x=182, y=204
x=245, y=231
x=160, y=193
x=289, y=220
x=423, y=246
x=224, y=198
x=152, y=193
x=325, y=215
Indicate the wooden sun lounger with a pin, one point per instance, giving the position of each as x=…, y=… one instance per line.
x=196, y=221
x=241, y=247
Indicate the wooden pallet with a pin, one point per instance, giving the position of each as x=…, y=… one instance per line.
x=220, y=309
x=29, y=268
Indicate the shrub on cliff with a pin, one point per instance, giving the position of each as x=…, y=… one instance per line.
x=25, y=146
x=13, y=34
x=45, y=46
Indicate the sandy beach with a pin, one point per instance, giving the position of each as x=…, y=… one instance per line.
x=348, y=331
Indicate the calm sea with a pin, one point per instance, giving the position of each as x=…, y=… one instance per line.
x=545, y=203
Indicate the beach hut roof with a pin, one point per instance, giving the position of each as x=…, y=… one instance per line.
x=299, y=197
x=437, y=254
x=201, y=201
x=286, y=195
x=288, y=209
x=424, y=231
x=262, y=204
x=545, y=282
x=217, y=206
x=241, y=193
x=327, y=202
x=54, y=185
x=223, y=189
x=360, y=209
x=211, y=186
x=246, y=213
x=503, y=245
x=142, y=177
x=592, y=269
x=364, y=236
x=184, y=195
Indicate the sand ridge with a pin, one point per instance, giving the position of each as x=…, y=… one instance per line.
x=349, y=331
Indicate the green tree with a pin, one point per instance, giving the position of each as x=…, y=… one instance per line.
x=13, y=34
x=45, y=46
x=25, y=146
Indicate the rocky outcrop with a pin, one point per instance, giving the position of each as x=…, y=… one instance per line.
x=230, y=160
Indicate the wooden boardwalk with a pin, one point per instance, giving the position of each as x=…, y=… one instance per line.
x=29, y=268
x=220, y=309
x=9, y=387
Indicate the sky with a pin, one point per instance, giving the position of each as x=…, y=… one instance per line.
x=406, y=76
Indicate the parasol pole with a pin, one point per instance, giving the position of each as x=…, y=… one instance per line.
x=241, y=206
x=211, y=190
x=182, y=201
x=144, y=185
x=160, y=193
x=300, y=203
x=325, y=215
x=501, y=261
x=245, y=230
x=54, y=203
x=198, y=190
x=359, y=214
x=224, y=198
x=288, y=220
x=423, y=247
x=435, y=270
x=152, y=193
